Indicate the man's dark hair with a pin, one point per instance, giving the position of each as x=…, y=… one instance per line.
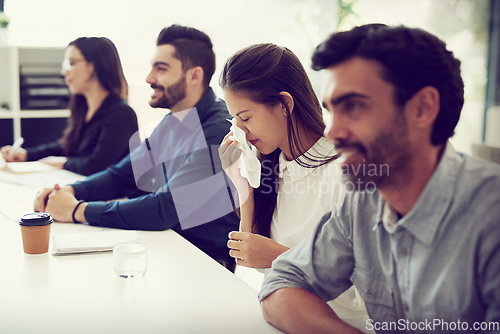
x=192, y=47
x=411, y=59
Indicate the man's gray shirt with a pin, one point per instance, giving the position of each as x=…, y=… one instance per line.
x=438, y=272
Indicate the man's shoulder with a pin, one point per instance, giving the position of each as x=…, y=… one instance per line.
x=478, y=166
x=360, y=202
x=218, y=111
x=357, y=207
x=217, y=108
x=479, y=180
x=214, y=122
x=464, y=197
x=211, y=106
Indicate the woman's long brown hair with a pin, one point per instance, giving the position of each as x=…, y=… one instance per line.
x=261, y=72
x=102, y=53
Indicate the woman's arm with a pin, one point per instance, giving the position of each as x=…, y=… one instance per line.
x=247, y=209
x=249, y=249
x=229, y=155
x=44, y=150
x=254, y=250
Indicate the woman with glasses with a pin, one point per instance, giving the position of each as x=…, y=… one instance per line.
x=101, y=122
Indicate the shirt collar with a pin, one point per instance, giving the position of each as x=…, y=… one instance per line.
x=390, y=218
x=204, y=104
x=191, y=120
x=432, y=206
x=322, y=148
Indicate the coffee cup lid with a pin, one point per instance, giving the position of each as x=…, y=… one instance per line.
x=36, y=219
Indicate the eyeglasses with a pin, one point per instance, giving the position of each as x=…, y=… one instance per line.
x=68, y=64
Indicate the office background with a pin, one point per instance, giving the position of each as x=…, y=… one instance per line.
x=232, y=24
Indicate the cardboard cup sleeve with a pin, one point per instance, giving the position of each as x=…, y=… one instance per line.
x=35, y=231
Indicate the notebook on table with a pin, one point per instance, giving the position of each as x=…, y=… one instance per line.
x=89, y=242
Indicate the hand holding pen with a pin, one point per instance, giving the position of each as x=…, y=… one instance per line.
x=14, y=153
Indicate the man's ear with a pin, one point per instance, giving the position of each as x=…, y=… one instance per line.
x=425, y=106
x=288, y=100
x=195, y=75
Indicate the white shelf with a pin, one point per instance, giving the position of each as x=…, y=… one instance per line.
x=44, y=113
x=4, y=113
x=12, y=60
x=59, y=113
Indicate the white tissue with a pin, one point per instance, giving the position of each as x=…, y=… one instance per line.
x=249, y=164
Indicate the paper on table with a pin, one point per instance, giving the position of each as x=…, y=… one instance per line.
x=28, y=167
x=40, y=180
x=249, y=164
x=89, y=242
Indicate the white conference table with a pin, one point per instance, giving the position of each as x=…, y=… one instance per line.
x=183, y=291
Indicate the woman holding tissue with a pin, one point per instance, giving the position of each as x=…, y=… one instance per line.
x=276, y=112
x=101, y=122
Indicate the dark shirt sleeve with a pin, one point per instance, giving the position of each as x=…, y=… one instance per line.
x=141, y=211
x=148, y=211
x=44, y=150
x=151, y=212
x=115, y=129
x=112, y=183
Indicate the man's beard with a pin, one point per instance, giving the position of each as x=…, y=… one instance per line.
x=385, y=159
x=173, y=94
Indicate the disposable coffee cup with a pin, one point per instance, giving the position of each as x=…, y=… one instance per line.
x=35, y=230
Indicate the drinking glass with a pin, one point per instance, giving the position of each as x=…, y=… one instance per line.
x=130, y=257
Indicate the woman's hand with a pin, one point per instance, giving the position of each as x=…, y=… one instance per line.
x=253, y=250
x=229, y=154
x=19, y=155
x=55, y=161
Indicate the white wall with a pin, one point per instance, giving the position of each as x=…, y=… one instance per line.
x=463, y=25
x=232, y=24
x=134, y=25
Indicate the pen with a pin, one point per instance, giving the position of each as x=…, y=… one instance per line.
x=17, y=144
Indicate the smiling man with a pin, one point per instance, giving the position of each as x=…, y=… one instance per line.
x=172, y=180
x=423, y=247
